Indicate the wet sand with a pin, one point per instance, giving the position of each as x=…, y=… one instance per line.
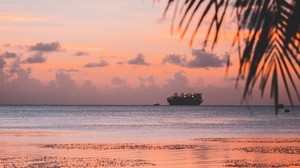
x=199, y=152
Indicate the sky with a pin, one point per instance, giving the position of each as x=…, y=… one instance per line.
x=110, y=52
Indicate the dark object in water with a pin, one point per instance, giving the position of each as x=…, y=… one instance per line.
x=156, y=104
x=287, y=110
x=192, y=99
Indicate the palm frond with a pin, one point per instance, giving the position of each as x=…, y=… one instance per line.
x=271, y=43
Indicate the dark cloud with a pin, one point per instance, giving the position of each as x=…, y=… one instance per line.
x=35, y=59
x=68, y=70
x=46, y=47
x=81, y=53
x=202, y=59
x=118, y=81
x=2, y=63
x=16, y=71
x=138, y=60
x=9, y=55
x=102, y=63
x=175, y=59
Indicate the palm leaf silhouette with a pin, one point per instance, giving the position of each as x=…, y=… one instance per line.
x=268, y=38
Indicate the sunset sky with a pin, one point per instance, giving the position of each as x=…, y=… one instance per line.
x=109, y=52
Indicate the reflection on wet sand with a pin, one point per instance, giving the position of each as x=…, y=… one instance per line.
x=201, y=152
x=246, y=163
x=70, y=162
x=125, y=146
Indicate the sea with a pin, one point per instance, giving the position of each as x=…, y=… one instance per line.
x=93, y=123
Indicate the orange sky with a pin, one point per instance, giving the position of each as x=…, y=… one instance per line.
x=121, y=45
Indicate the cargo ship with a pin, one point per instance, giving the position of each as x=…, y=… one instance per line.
x=189, y=99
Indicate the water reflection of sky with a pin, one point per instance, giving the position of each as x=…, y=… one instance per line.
x=148, y=122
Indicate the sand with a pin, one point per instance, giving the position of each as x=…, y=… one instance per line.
x=199, y=152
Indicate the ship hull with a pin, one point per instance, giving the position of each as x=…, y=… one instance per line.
x=184, y=102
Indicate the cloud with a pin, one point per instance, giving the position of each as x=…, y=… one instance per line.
x=202, y=59
x=17, y=86
x=118, y=81
x=68, y=70
x=9, y=55
x=21, y=88
x=138, y=60
x=2, y=63
x=2, y=74
x=64, y=81
x=35, y=59
x=102, y=63
x=15, y=66
x=175, y=59
x=206, y=60
x=179, y=83
x=150, y=81
x=81, y=53
x=46, y=47
x=16, y=71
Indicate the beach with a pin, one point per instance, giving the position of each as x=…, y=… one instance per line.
x=147, y=136
x=203, y=152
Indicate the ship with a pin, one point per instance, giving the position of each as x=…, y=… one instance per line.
x=189, y=99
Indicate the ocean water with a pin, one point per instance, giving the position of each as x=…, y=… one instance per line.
x=147, y=123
